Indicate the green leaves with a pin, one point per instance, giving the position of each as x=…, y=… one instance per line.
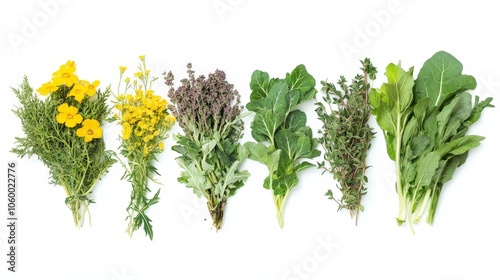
x=425, y=123
x=280, y=130
x=441, y=77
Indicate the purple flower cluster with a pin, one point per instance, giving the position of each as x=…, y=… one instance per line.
x=201, y=103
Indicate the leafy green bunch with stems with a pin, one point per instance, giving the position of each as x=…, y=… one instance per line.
x=63, y=131
x=283, y=138
x=145, y=121
x=346, y=136
x=425, y=123
x=209, y=112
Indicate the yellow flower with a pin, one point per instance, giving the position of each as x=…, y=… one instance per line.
x=47, y=88
x=142, y=57
x=123, y=69
x=65, y=75
x=127, y=80
x=161, y=146
x=90, y=87
x=68, y=115
x=138, y=74
x=78, y=91
x=90, y=129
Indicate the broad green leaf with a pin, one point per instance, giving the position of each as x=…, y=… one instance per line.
x=419, y=144
x=293, y=144
x=233, y=176
x=259, y=85
x=302, y=166
x=460, y=145
x=278, y=99
x=420, y=110
x=399, y=88
x=258, y=105
x=451, y=165
x=453, y=115
x=257, y=151
x=300, y=79
x=296, y=120
x=208, y=146
x=292, y=99
x=441, y=77
x=283, y=184
x=193, y=178
x=264, y=126
x=426, y=168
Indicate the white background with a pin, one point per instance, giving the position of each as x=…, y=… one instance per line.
x=239, y=36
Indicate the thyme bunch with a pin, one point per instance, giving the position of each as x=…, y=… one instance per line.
x=346, y=136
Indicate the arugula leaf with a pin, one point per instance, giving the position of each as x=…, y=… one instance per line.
x=441, y=77
x=425, y=127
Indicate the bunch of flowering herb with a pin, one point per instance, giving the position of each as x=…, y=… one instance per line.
x=63, y=130
x=145, y=121
x=209, y=112
x=284, y=139
x=346, y=136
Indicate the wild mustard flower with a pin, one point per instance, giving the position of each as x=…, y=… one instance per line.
x=145, y=121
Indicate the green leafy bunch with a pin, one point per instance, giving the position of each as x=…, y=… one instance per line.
x=283, y=138
x=209, y=112
x=75, y=156
x=425, y=123
x=346, y=136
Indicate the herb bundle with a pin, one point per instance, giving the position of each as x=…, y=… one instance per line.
x=208, y=111
x=425, y=123
x=145, y=122
x=346, y=136
x=63, y=130
x=281, y=131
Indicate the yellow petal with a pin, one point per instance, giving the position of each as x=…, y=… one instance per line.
x=78, y=118
x=72, y=110
x=81, y=132
x=70, y=123
x=88, y=138
x=63, y=108
x=97, y=132
x=61, y=118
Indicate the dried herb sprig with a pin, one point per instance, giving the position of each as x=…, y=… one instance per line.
x=145, y=122
x=208, y=111
x=346, y=136
x=63, y=131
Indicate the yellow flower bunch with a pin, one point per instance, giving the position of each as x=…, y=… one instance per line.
x=65, y=80
x=63, y=129
x=145, y=120
x=66, y=76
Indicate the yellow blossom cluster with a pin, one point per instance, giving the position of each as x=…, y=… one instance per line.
x=66, y=76
x=68, y=115
x=143, y=115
